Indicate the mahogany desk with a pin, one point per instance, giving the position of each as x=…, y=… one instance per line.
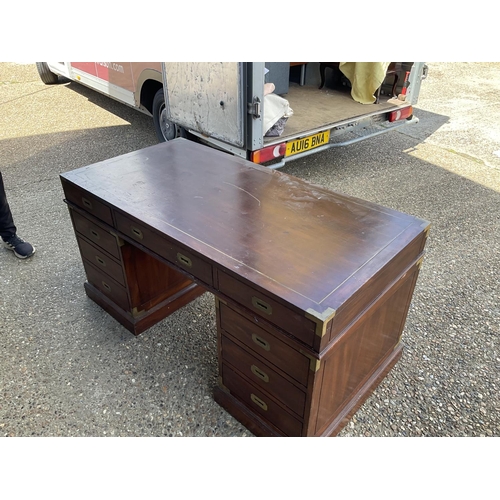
x=312, y=287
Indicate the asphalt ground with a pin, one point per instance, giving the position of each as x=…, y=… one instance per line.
x=69, y=369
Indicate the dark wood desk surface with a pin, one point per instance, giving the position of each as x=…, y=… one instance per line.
x=311, y=247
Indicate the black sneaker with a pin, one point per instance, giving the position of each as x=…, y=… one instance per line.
x=21, y=248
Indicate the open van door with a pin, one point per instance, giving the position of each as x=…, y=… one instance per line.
x=216, y=100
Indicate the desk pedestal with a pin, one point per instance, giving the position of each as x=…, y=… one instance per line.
x=131, y=285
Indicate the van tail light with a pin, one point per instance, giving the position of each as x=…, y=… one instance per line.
x=401, y=114
x=268, y=153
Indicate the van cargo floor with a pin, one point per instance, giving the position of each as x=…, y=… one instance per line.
x=314, y=108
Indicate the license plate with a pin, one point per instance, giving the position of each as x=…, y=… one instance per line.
x=307, y=143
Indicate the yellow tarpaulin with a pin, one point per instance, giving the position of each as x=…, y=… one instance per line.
x=365, y=78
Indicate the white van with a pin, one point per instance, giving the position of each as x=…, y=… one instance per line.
x=312, y=106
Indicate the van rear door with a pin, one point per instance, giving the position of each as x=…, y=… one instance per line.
x=210, y=99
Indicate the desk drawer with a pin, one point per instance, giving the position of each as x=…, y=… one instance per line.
x=259, y=402
x=101, y=260
x=88, y=203
x=265, y=345
x=165, y=248
x=262, y=375
x=107, y=286
x=98, y=235
x=302, y=328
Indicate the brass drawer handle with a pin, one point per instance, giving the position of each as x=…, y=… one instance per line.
x=137, y=232
x=261, y=342
x=261, y=305
x=184, y=260
x=106, y=286
x=100, y=261
x=258, y=402
x=87, y=203
x=259, y=373
x=95, y=234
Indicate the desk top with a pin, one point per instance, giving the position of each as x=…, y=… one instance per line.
x=309, y=246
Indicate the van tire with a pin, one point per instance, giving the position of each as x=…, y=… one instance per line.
x=45, y=74
x=165, y=129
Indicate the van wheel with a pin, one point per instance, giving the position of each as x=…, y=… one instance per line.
x=45, y=74
x=165, y=129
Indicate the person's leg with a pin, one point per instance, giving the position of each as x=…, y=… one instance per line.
x=7, y=226
x=8, y=230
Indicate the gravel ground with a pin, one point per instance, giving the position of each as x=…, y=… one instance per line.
x=68, y=369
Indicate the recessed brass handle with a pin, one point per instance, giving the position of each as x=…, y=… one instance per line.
x=261, y=342
x=259, y=373
x=100, y=261
x=87, y=203
x=95, y=234
x=137, y=232
x=261, y=305
x=258, y=402
x=106, y=286
x=186, y=261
